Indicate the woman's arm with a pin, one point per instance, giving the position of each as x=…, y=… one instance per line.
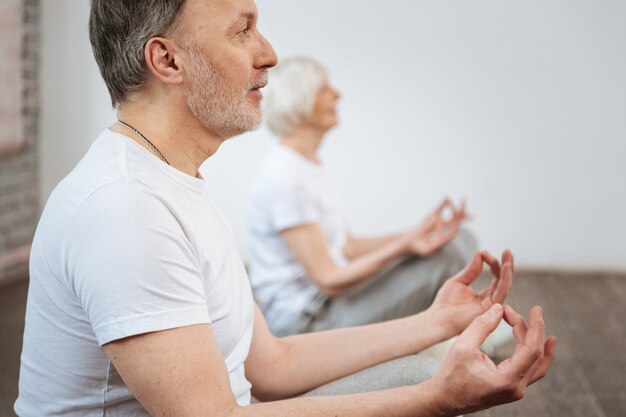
x=357, y=246
x=308, y=245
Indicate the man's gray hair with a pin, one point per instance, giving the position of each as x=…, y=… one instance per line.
x=119, y=31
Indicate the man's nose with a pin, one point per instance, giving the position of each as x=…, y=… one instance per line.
x=267, y=57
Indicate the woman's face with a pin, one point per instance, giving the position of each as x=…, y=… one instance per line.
x=324, y=114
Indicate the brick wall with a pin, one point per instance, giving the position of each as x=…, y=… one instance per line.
x=19, y=190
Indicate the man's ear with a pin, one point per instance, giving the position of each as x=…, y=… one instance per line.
x=161, y=59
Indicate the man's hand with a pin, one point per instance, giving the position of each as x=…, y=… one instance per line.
x=469, y=381
x=437, y=230
x=457, y=304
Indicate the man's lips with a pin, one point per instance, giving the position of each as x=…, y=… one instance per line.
x=258, y=87
x=255, y=91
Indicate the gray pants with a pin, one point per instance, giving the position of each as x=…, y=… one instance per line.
x=404, y=288
x=409, y=370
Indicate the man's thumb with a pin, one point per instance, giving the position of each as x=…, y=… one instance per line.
x=482, y=326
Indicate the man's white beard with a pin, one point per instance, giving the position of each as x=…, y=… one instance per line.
x=218, y=106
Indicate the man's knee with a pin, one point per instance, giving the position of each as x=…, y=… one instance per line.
x=408, y=370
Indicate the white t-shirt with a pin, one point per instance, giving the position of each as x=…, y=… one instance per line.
x=289, y=191
x=126, y=245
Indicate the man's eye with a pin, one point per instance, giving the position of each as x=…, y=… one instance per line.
x=245, y=32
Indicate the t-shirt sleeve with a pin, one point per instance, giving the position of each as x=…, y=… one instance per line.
x=293, y=204
x=131, y=264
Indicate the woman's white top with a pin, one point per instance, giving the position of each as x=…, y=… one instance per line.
x=289, y=191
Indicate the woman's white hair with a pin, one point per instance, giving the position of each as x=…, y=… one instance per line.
x=290, y=93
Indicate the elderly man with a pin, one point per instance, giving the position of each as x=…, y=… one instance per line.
x=139, y=303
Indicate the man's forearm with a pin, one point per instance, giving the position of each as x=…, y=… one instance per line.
x=310, y=360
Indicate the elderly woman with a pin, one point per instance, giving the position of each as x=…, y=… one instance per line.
x=308, y=271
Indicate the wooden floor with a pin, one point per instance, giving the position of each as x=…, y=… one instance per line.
x=587, y=314
x=12, y=309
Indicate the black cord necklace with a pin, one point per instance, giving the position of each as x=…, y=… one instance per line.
x=145, y=139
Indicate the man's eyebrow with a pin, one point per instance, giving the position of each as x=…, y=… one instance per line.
x=247, y=15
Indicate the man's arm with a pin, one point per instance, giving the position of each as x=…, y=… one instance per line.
x=181, y=372
x=177, y=372
x=280, y=368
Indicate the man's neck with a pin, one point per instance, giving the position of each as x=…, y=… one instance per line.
x=180, y=138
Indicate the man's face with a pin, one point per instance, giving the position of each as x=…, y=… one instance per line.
x=227, y=64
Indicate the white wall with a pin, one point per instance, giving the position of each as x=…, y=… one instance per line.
x=518, y=106
x=75, y=103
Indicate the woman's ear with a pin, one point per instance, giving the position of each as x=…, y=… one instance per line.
x=163, y=60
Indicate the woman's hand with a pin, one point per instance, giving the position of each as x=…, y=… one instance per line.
x=437, y=230
x=457, y=304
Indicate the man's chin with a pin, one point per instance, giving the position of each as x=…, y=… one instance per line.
x=254, y=119
x=256, y=125
x=251, y=124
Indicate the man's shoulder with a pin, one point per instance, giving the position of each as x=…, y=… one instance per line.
x=103, y=177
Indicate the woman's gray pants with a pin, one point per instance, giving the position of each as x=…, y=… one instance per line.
x=404, y=288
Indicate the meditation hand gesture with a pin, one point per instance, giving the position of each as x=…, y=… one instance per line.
x=437, y=230
x=457, y=304
x=471, y=381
